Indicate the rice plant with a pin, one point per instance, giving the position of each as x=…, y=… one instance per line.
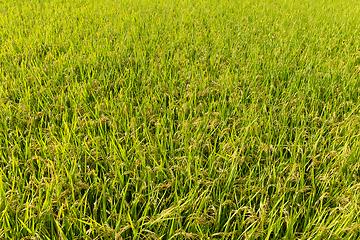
x=191, y=119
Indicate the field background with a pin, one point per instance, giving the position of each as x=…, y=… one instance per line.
x=231, y=119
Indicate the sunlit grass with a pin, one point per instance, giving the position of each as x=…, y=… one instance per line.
x=179, y=119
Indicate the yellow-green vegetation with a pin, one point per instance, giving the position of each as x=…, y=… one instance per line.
x=192, y=119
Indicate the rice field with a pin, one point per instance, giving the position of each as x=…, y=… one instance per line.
x=190, y=119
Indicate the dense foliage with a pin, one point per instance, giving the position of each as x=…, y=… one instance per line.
x=193, y=119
